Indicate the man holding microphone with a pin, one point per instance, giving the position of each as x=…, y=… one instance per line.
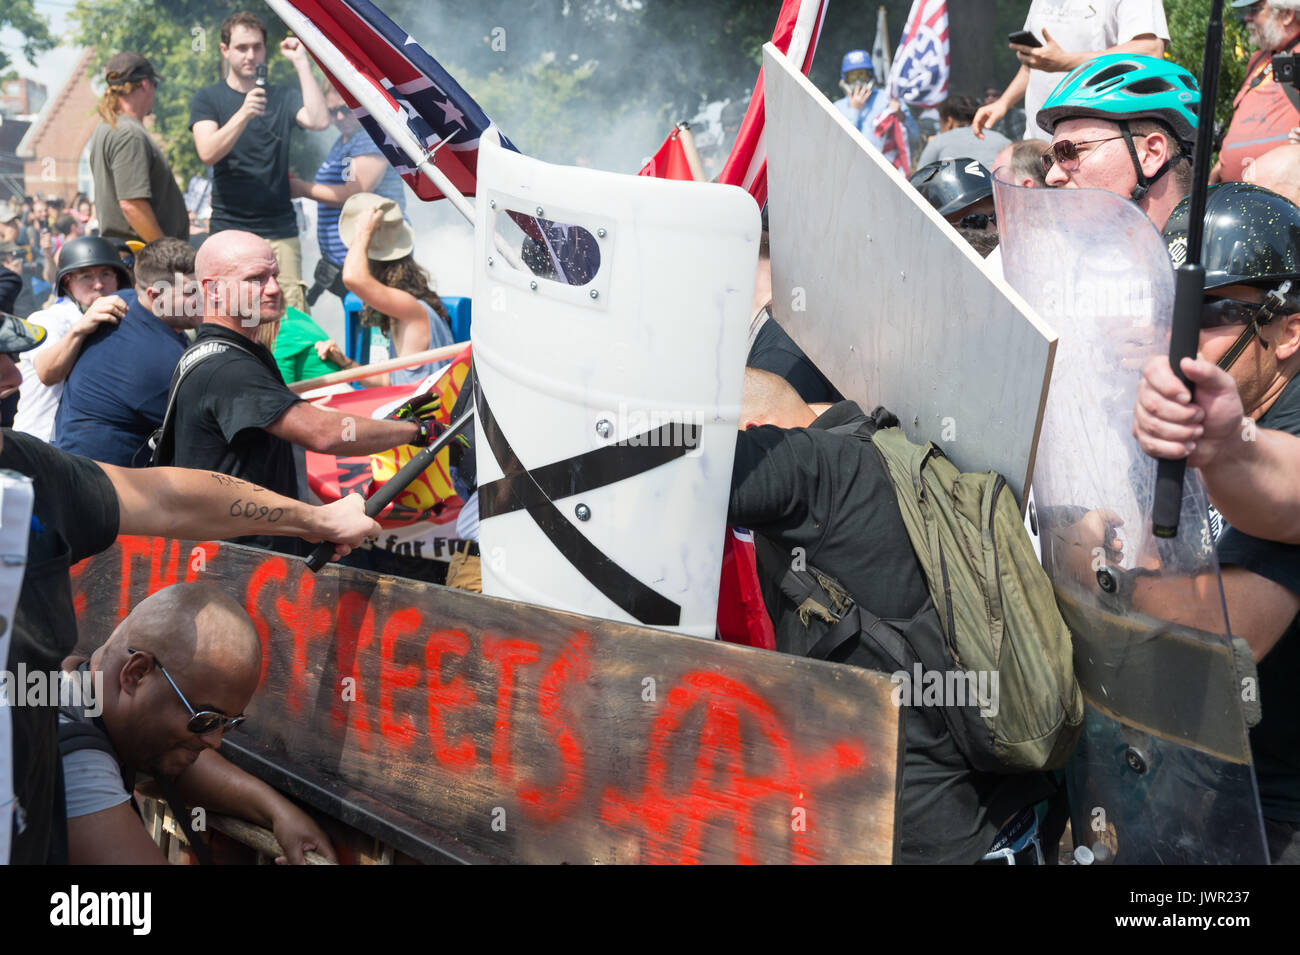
x=241, y=128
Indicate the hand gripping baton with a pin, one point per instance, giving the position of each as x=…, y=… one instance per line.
x=398, y=483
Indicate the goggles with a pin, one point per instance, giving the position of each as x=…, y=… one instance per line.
x=978, y=220
x=1221, y=312
x=1217, y=313
x=202, y=722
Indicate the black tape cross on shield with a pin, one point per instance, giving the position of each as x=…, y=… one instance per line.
x=521, y=489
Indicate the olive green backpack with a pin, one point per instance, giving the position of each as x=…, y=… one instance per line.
x=991, y=609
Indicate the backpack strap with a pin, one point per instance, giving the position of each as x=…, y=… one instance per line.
x=818, y=595
x=193, y=355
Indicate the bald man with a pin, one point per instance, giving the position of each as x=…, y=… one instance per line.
x=1278, y=169
x=234, y=413
x=818, y=498
x=176, y=674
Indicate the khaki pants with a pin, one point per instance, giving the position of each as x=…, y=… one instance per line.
x=288, y=252
x=465, y=573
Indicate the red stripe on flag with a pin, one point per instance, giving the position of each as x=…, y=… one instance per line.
x=747, y=164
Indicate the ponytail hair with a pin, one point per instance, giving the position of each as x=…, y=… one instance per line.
x=108, y=107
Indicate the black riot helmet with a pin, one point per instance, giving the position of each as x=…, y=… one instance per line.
x=951, y=185
x=89, y=251
x=1251, y=237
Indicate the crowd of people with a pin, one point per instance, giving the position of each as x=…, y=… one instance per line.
x=147, y=388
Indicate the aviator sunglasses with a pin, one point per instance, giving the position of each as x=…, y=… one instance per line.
x=1066, y=151
x=201, y=722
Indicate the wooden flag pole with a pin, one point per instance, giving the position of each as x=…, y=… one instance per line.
x=378, y=367
x=687, y=139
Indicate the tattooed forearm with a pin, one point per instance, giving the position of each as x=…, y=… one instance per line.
x=226, y=480
x=255, y=512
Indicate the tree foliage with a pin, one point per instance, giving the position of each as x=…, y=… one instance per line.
x=1187, y=22
x=37, y=38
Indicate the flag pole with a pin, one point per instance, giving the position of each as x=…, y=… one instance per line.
x=687, y=139
x=373, y=103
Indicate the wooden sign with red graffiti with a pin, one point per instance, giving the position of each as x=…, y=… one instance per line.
x=531, y=735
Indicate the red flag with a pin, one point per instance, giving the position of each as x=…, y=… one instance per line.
x=742, y=615
x=747, y=164
x=670, y=161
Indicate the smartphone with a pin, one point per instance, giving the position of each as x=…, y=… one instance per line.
x=1024, y=38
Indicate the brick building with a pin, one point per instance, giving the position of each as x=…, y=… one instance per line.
x=20, y=96
x=53, y=150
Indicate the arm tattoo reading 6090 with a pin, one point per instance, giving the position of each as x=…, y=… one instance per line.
x=255, y=512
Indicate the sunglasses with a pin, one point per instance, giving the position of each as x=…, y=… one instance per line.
x=978, y=220
x=1222, y=312
x=339, y=112
x=201, y=722
x=1068, y=152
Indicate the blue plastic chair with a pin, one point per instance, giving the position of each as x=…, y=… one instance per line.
x=356, y=335
x=458, y=310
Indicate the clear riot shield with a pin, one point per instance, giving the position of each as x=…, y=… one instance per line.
x=1162, y=773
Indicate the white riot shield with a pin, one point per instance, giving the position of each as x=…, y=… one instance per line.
x=886, y=297
x=607, y=411
x=1162, y=773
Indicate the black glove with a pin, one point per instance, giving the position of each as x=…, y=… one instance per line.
x=423, y=410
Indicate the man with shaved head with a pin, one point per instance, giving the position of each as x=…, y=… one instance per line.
x=233, y=411
x=177, y=673
x=816, y=495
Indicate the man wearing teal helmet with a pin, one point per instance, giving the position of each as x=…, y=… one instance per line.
x=1124, y=123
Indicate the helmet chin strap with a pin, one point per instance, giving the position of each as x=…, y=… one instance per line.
x=1267, y=312
x=1144, y=183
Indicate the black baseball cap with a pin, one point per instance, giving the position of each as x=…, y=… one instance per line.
x=127, y=67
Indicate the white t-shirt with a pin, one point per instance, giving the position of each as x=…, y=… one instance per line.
x=38, y=403
x=1078, y=26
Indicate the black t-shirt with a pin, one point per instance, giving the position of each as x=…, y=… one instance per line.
x=1275, y=742
x=223, y=407
x=831, y=495
x=74, y=515
x=775, y=351
x=250, y=184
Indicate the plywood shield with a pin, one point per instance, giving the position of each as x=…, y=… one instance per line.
x=460, y=727
x=885, y=296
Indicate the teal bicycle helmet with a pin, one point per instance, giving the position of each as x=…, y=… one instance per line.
x=1121, y=87
x=1127, y=86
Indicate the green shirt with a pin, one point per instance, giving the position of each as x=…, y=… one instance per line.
x=294, y=352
